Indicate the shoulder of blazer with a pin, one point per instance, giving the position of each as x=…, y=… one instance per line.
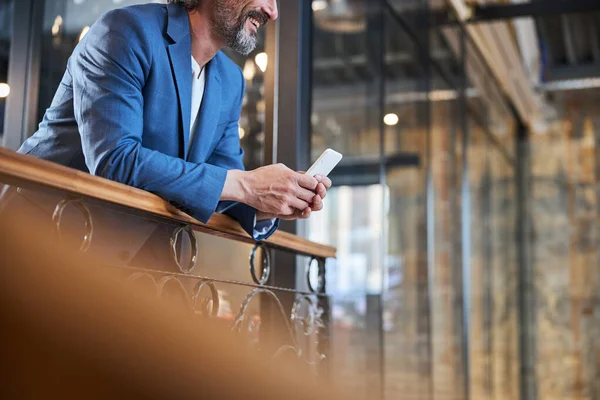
x=228, y=70
x=230, y=73
x=145, y=20
x=141, y=28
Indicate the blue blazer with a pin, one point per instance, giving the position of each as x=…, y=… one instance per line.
x=122, y=112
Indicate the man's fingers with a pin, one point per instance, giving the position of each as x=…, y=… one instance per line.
x=307, y=182
x=298, y=214
x=324, y=180
x=299, y=204
x=317, y=204
x=305, y=194
x=306, y=213
x=321, y=190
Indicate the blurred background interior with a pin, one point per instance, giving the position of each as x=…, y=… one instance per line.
x=466, y=210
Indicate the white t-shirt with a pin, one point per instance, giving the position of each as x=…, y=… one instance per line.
x=198, y=85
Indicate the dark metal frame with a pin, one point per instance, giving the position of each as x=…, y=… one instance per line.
x=23, y=72
x=287, y=97
x=501, y=11
x=375, y=39
x=465, y=224
x=526, y=289
x=287, y=133
x=497, y=11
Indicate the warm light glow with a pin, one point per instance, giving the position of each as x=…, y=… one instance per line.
x=242, y=132
x=4, y=90
x=58, y=21
x=319, y=5
x=262, y=60
x=391, y=119
x=249, y=70
x=443, y=95
x=84, y=32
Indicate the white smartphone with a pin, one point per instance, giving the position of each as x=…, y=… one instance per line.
x=325, y=163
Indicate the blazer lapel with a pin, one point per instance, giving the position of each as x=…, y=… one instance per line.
x=210, y=111
x=180, y=53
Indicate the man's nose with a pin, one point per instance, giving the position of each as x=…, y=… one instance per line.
x=270, y=8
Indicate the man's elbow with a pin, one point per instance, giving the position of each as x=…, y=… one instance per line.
x=117, y=165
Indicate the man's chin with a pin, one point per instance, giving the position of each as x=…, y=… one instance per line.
x=243, y=52
x=245, y=44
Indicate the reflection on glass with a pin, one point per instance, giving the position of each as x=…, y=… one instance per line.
x=67, y=21
x=428, y=222
x=344, y=104
x=406, y=305
x=343, y=93
x=6, y=17
x=352, y=222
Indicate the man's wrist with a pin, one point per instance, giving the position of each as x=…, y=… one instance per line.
x=236, y=187
x=261, y=216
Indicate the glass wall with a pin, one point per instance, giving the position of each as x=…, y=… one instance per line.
x=431, y=162
x=407, y=306
x=345, y=105
x=6, y=18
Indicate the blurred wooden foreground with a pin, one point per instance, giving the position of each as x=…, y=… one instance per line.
x=73, y=329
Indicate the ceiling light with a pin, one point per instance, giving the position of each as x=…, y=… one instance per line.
x=262, y=60
x=58, y=21
x=4, y=90
x=443, y=95
x=391, y=119
x=319, y=5
x=570, y=84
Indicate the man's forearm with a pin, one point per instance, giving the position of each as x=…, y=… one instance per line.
x=236, y=187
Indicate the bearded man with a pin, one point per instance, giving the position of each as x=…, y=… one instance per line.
x=149, y=100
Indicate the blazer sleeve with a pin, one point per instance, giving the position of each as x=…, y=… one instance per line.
x=229, y=152
x=109, y=72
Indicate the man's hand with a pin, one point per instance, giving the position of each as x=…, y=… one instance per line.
x=274, y=189
x=316, y=205
x=322, y=187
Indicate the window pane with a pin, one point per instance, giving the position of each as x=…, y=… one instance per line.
x=6, y=16
x=252, y=121
x=344, y=96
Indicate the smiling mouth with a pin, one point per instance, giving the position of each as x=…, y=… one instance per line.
x=255, y=22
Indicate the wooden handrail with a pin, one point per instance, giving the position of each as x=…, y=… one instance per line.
x=19, y=169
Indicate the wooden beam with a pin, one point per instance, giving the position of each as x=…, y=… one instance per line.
x=496, y=44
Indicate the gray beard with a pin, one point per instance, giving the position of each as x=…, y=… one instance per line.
x=235, y=34
x=243, y=42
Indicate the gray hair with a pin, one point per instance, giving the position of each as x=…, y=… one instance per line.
x=188, y=4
